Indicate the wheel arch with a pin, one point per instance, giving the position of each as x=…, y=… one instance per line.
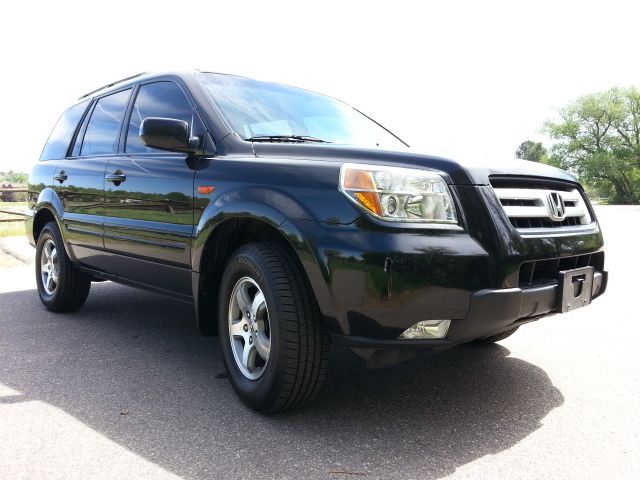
x=225, y=234
x=48, y=208
x=41, y=217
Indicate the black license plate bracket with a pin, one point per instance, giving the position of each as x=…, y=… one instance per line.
x=576, y=287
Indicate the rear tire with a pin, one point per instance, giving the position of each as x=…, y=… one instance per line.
x=61, y=286
x=496, y=338
x=273, y=343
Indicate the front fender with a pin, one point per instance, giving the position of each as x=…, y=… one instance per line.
x=214, y=216
x=278, y=200
x=298, y=189
x=270, y=204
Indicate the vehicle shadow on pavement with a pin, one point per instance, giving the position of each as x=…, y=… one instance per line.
x=132, y=366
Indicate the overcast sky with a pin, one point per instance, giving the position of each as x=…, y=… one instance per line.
x=465, y=79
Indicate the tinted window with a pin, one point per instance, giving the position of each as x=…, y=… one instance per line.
x=58, y=143
x=161, y=99
x=103, y=129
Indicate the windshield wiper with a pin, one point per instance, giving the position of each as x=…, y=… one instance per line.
x=285, y=138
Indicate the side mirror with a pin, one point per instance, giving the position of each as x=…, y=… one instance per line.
x=168, y=134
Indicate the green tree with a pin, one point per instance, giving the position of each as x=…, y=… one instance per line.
x=598, y=138
x=13, y=177
x=532, y=151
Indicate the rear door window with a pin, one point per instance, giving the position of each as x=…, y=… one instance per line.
x=61, y=135
x=103, y=130
x=159, y=99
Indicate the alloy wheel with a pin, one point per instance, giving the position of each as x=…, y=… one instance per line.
x=49, y=267
x=249, y=329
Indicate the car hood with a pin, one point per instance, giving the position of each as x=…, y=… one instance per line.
x=470, y=172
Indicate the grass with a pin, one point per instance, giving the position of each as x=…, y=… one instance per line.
x=13, y=205
x=11, y=229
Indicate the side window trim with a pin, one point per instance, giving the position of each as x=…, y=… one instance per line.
x=124, y=127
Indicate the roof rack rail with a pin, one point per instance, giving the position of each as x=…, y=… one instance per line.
x=111, y=84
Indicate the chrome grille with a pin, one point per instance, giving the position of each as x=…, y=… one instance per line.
x=536, y=205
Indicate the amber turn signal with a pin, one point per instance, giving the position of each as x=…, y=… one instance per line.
x=363, y=186
x=370, y=200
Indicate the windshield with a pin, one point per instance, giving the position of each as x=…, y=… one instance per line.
x=261, y=111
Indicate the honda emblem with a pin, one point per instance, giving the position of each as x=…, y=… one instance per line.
x=556, y=206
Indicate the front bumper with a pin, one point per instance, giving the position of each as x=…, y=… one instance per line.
x=373, y=280
x=490, y=312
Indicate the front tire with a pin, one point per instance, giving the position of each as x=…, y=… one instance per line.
x=273, y=343
x=61, y=286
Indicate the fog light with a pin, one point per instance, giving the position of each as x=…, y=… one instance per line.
x=426, y=329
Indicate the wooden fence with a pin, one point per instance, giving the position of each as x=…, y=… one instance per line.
x=17, y=213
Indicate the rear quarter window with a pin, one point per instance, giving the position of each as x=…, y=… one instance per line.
x=62, y=134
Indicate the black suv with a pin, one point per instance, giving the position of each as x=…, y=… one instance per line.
x=291, y=220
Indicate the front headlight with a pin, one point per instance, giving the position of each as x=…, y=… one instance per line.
x=398, y=194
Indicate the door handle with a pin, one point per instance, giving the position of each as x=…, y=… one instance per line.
x=116, y=178
x=60, y=177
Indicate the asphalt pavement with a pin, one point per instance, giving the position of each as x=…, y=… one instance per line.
x=126, y=388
